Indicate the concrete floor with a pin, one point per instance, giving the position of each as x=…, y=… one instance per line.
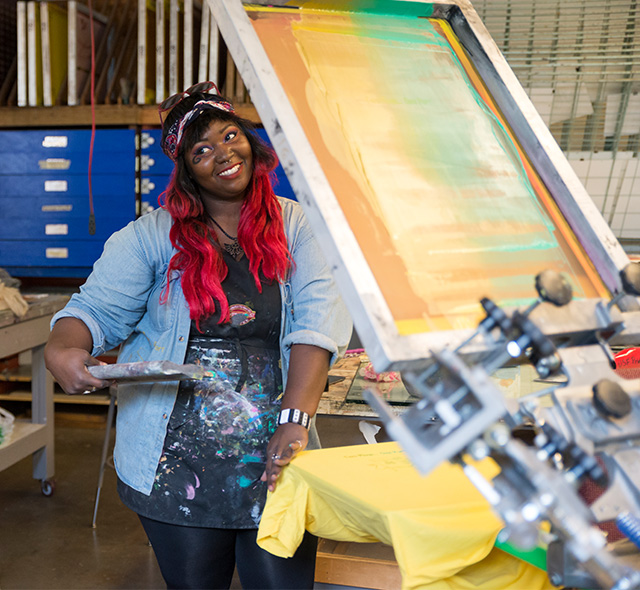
x=48, y=542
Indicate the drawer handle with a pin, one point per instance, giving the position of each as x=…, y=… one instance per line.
x=54, y=164
x=57, y=252
x=56, y=229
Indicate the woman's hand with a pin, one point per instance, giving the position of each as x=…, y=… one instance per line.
x=308, y=367
x=287, y=441
x=67, y=357
x=69, y=368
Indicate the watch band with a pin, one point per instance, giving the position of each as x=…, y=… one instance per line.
x=293, y=416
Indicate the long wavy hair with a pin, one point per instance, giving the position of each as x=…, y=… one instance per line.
x=260, y=231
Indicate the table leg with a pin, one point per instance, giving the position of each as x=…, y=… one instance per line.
x=42, y=413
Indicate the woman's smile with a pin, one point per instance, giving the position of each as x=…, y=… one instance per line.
x=232, y=171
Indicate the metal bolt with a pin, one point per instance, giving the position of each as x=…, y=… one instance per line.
x=478, y=449
x=499, y=435
x=547, y=499
x=556, y=579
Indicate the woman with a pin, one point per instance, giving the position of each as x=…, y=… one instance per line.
x=226, y=275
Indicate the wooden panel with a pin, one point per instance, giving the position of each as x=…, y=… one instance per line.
x=362, y=565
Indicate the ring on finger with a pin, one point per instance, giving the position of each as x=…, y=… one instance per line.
x=275, y=457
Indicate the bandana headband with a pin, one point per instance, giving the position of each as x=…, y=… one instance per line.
x=176, y=131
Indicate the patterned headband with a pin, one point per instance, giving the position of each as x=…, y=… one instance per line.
x=176, y=131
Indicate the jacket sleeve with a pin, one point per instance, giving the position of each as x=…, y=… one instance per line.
x=315, y=311
x=114, y=298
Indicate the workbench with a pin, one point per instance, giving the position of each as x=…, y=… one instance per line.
x=335, y=402
x=32, y=437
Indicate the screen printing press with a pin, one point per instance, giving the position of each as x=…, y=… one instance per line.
x=462, y=241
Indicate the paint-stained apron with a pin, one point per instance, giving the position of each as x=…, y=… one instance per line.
x=214, y=450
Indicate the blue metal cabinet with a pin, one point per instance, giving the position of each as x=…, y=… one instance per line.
x=44, y=198
x=150, y=141
x=155, y=169
x=281, y=187
x=151, y=187
x=155, y=164
x=153, y=161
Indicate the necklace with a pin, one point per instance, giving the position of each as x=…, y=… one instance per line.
x=234, y=247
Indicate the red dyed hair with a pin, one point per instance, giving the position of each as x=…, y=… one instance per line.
x=260, y=231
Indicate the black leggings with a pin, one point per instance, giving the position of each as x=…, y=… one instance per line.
x=203, y=558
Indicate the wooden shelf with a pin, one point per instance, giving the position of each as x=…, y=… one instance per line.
x=106, y=115
x=26, y=438
x=21, y=374
x=93, y=399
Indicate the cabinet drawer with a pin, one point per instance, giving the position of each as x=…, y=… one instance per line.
x=49, y=271
x=151, y=187
x=63, y=183
x=62, y=208
x=59, y=143
x=155, y=163
x=150, y=142
x=45, y=253
x=58, y=226
x=70, y=163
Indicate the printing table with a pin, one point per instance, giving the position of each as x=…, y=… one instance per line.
x=34, y=437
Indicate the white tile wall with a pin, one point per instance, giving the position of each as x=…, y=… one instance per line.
x=613, y=183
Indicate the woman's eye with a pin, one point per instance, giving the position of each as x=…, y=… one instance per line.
x=231, y=135
x=200, y=150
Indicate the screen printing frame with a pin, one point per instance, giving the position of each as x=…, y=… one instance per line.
x=387, y=349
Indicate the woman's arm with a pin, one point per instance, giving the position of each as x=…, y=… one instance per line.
x=318, y=328
x=308, y=369
x=67, y=356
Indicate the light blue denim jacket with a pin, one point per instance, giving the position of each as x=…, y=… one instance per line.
x=120, y=303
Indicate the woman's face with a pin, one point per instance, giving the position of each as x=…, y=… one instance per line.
x=221, y=162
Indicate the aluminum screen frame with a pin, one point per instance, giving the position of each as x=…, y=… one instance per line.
x=387, y=349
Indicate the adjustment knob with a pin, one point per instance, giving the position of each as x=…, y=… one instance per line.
x=611, y=400
x=495, y=316
x=630, y=276
x=554, y=287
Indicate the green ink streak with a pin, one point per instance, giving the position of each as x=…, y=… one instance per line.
x=419, y=9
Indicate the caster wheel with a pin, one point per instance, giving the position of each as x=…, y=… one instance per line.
x=48, y=486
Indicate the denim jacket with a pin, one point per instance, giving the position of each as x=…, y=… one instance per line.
x=120, y=304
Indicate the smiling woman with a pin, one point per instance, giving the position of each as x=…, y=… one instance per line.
x=225, y=275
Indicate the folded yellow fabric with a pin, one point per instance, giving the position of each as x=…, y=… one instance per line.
x=442, y=530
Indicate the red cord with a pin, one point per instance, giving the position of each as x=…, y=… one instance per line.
x=92, y=217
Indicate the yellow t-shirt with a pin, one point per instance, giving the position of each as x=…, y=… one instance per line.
x=441, y=528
